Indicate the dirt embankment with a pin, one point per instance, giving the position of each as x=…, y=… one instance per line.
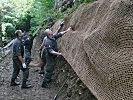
x=74, y=88
x=100, y=47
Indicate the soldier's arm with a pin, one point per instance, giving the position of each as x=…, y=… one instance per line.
x=21, y=59
x=26, y=42
x=57, y=35
x=50, y=49
x=42, y=45
x=55, y=53
x=18, y=49
x=59, y=29
x=62, y=33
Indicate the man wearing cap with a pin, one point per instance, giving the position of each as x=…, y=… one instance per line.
x=18, y=62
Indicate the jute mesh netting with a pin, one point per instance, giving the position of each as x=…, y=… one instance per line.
x=100, y=47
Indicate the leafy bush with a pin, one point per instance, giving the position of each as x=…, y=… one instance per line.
x=28, y=15
x=9, y=31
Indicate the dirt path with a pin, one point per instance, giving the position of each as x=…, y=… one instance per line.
x=16, y=93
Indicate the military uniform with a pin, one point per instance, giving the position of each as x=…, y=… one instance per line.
x=43, y=57
x=28, y=46
x=50, y=45
x=18, y=50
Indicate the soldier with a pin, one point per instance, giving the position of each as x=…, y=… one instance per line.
x=43, y=58
x=18, y=62
x=51, y=54
x=28, y=46
x=42, y=48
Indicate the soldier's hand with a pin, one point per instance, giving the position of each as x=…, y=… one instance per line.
x=24, y=65
x=62, y=24
x=69, y=29
x=59, y=54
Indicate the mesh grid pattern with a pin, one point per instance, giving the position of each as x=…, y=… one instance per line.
x=100, y=47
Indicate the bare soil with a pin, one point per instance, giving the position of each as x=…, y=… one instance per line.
x=16, y=93
x=73, y=89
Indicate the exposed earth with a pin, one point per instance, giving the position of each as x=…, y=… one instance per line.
x=73, y=89
x=16, y=93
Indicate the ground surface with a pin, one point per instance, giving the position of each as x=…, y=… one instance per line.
x=16, y=93
x=73, y=89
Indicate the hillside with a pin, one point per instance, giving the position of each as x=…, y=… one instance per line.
x=96, y=61
x=99, y=48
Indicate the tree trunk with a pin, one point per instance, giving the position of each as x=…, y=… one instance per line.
x=56, y=6
x=0, y=29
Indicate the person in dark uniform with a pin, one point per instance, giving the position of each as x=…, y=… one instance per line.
x=18, y=62
x=28, y=46
x=43, y=51
x=42, y=55
x=51, y=54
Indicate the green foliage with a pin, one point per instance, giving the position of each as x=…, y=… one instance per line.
x=29, y=15
x=37, y=10
x=9, y=30
x=25, y=15
x=86, y=1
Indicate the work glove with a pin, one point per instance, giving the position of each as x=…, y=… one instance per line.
x=62, y=24
x=24, y=65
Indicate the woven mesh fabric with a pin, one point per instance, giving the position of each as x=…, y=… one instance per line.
x=100, y=47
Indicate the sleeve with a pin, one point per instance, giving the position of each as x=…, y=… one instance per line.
x=44, y=39
x=25, y=42
x=49, y=47
x=18, y=49
x=57, y=35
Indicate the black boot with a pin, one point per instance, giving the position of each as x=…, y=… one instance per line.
x=45, y=85
x=26, y=86
x=14, y=83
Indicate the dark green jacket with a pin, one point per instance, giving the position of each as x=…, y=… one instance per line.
x=28, y=43
x=18, y=48
x=51, y=45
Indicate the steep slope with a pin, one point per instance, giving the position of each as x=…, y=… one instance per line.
x=100, y=47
